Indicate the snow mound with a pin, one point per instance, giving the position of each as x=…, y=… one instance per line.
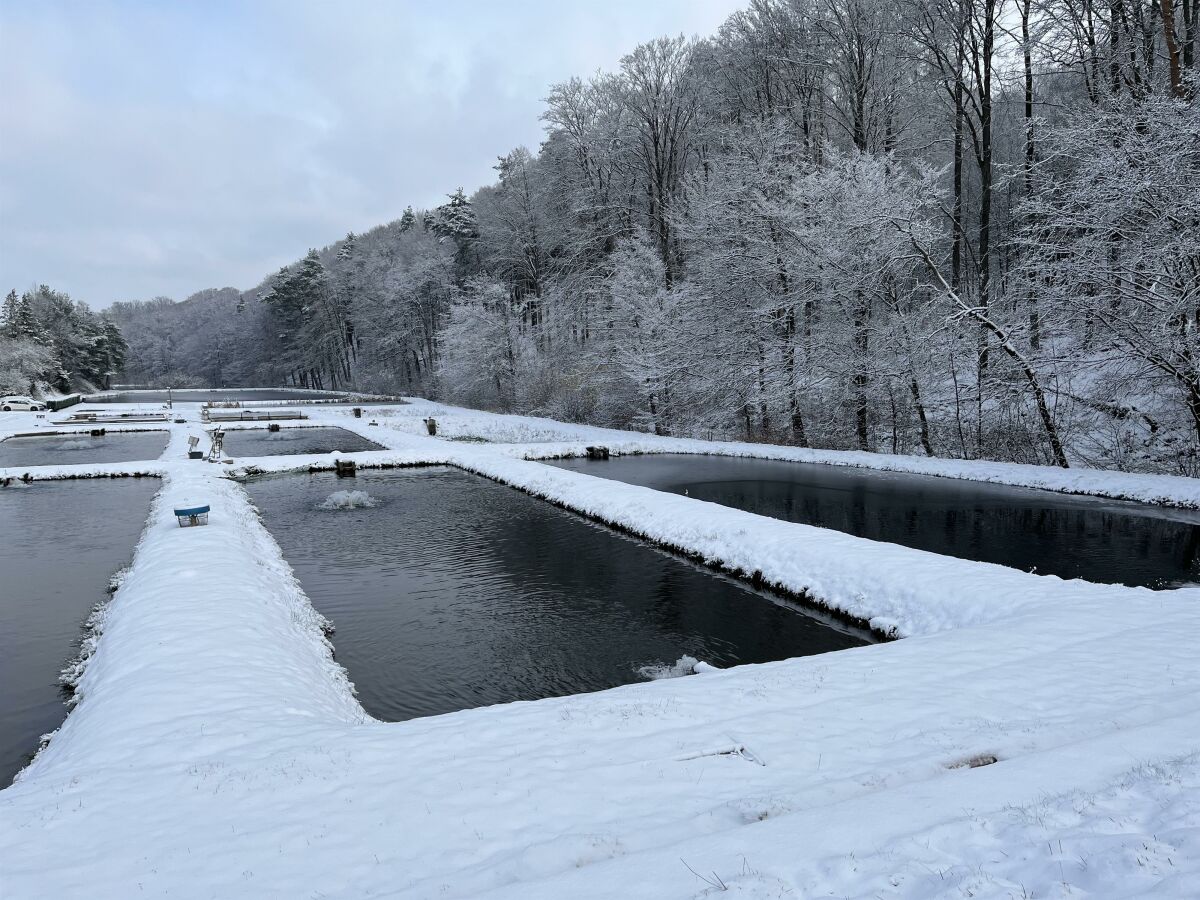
x=685, y=665
x=348, y=500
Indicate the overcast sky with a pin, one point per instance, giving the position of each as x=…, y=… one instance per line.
x=158, y=148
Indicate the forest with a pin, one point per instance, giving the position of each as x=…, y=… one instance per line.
x=965, y=228
x=51, y=344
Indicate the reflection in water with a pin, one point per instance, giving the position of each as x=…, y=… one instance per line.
x=289, y=441
x=1051, y=534
x=455, y=592
x=73, y=449
x=59, y=544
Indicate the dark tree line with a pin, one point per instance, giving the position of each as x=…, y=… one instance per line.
x=50, y=343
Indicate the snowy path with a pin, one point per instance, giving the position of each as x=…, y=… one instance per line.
x=217, y=750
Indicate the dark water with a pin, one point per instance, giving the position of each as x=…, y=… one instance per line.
x=1049, y=533
x=457, y=592
x=288, y=441
x=205, y=396
x=69, y=450
x=60, y=542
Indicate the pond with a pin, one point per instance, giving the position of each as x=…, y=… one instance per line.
x=288, y=441
x=221, y=395
x=454, y=592
x=74, y=449
x=60, y=542
x=1039, y=531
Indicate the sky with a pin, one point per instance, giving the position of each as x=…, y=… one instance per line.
x=159, y=148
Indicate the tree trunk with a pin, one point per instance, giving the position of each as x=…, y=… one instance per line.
x=861, y=378
x=1035, y=324
x=956, y=253
x=1031, y=376
x=1168, y=20
x=1190, y=11
x=985, y=178
x=764, y=414
x=921, y=419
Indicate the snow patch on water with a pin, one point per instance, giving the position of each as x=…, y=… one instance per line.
x=685, y=665
x=348, y=500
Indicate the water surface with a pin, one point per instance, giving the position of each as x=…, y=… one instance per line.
x=455, y=592
x=74, y=449
x=288, y=441
x=209, y=396
x=60, y=542
x=1041, y=531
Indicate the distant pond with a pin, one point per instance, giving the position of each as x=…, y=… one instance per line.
x=1039, y=531
x=292, y=440
x=240, y=395
x=74, y=449
x=449, y=591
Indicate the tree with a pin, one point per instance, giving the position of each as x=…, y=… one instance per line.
x=1113, y=242
x=54, y=343
x=662, y=105
x=955, y=227
x=484, y=351
x=20, y=322
x=408, y=220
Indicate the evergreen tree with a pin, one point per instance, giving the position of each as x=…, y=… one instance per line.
x=314, y=326
x=20, y=321
x=8, y=314
x=116, y=350
x=457, y=218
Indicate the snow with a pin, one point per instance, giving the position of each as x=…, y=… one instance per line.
x=685, y=665
x=533, y=438
x=898, y=591
x=216, y=748
x=348, y=500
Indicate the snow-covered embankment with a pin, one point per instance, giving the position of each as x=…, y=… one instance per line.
x=217, y=750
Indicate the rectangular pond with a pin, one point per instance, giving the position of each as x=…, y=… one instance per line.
x=448, y=591
x=74, y=449
x=60, y=543
x=1039, y=531
x=289, y=441
x=220, y=395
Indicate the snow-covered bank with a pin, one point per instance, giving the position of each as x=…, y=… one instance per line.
x=897, y=591
x=23, y=424
x=533, y=438
x=217, y=750
x=216, y=754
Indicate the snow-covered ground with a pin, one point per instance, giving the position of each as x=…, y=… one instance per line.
x=217, y=749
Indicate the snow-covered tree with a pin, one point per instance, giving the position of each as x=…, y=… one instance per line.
x=948, y=227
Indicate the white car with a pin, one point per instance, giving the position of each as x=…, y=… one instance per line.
x=8, y=404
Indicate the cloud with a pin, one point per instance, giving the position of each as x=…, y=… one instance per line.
x=158, y=149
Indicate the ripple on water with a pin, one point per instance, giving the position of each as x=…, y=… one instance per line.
x=456, y=592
